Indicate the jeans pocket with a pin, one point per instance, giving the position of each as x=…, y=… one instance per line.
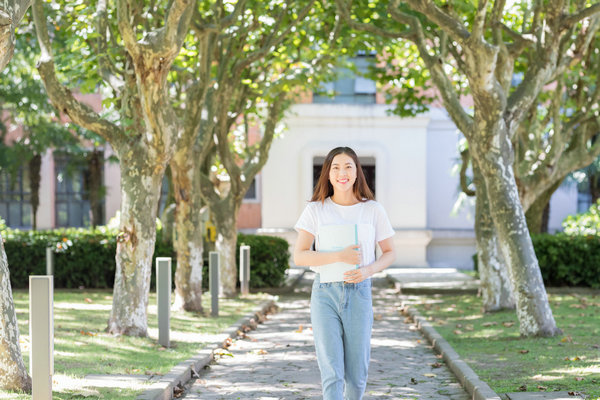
x=364, y=292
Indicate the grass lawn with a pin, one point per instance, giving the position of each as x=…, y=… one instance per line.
x=82, y=347
x=493, y=348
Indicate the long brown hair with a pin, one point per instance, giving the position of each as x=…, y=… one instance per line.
x=324, y=189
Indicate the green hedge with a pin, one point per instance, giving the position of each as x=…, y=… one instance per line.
x=567, y=260
x=86, y=258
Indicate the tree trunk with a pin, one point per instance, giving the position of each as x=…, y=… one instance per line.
x=94, y=186
x=34, y=181
x=225, y=218
x=140, y=183
x=496, y=288
x=168, y=213
x=188, y=233
x=539, y=210
x=13, y=374
x=11, y=13
x=494, y=157
x=594, y=180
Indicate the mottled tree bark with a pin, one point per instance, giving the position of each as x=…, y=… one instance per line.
x=11, y=13
x=537, y=211
x=533, y=310
x=13, y=374
x=135, y=245
x=225, y=218
x=496, y=288
x=144, y=143
x=188, y=239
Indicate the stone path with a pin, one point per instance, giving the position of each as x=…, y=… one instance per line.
x=277, y=360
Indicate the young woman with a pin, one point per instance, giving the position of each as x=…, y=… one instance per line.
x=342, y=312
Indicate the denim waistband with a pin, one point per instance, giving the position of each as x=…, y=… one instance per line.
x=365, y=283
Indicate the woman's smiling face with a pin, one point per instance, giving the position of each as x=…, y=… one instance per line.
x=342, y=173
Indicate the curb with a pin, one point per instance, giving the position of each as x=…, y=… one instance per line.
x=183, y=372
x=478, y=389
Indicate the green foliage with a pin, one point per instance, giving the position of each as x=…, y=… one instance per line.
x=587, y=223
x=568, y=260
x=82, y=257
x=269, y=259
x=86, y=257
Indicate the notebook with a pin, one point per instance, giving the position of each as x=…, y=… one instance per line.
x=335, y=238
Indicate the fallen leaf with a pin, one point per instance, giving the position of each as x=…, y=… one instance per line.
x=458, y=332
x=378, y=317
x=87, y=393
x=88, y=300
x=459, y=325
x=430, y=375
x=88, y=333
x=413, y=381
x=469, y=327
x=436, y=365
x=522, y=388
x=542, y=388
x=579, y=378
x=439, y=356
x=567, y=339
x=488, y=324
x=300, y=328
x=508, y=324
x=523, y=351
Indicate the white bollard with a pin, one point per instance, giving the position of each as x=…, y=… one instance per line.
x=41, y=334
x=213, y=281
x=163, y=299
x=245, y=270
x=49, y=261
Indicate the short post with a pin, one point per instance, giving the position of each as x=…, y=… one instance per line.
x=213, y=277
x=41, y=333
x=49, y=261
x=245, y=270
x=163, y=299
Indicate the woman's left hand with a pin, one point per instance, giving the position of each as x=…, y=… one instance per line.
x=357, y=275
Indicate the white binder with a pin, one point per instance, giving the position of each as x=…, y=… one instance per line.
x=335, y=238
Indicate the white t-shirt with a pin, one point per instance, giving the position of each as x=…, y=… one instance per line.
x=373, y=223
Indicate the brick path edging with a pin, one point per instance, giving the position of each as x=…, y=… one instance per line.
x=186, y=370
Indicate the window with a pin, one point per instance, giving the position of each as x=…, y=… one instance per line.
x=350, y=88
x=252, y=193
x=72, y=205
x=15, y=198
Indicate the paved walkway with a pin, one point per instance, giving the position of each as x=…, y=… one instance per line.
x=277, y=360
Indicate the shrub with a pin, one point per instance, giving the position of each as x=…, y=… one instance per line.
x=85, y=257
x=587, y=223
x=269, y=259
x=568, y=260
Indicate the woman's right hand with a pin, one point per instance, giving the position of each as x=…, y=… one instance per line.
x=351, y=255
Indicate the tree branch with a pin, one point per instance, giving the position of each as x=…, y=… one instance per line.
x=342, y=7
x=273, y=41
x=106, y=68
x=464, y=185
x=572, y=19
x=445, y=21
x=126, y=30
x=61, y=97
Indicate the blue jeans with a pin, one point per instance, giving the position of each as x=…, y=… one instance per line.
x=342, y=319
